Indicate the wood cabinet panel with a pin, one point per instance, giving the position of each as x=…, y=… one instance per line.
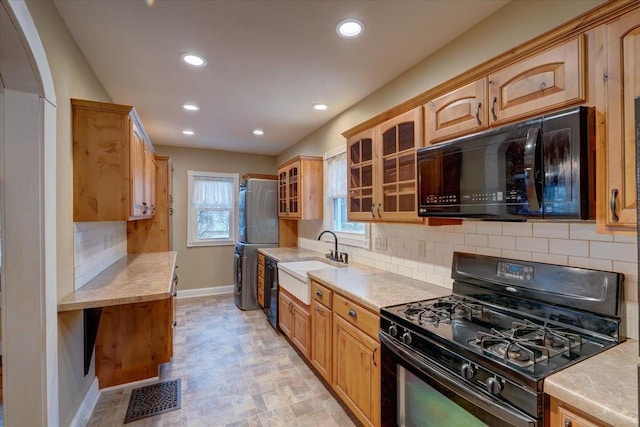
x=301, y=335
x=154, y=235
x=356, y=315
x=285, y=313
x=109, y=145
x=463, y=110
x=294, y=320
x=356, y=370
x=132, y=341
x=321, y=333
x=299, y=183
x=322, y=294
x=545, y=81
x=619, y=86
x=563, y=415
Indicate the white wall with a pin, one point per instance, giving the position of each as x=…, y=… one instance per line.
x=97, y=246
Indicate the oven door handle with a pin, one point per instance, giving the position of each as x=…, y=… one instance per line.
x=508, y=415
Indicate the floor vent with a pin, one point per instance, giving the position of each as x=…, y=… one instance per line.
x=153, y=400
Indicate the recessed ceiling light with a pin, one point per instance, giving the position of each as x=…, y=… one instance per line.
x=320, y=107
x=258, y=132
x=350, y=28
x=188, y=132
x=190, y=107
x=193, y=59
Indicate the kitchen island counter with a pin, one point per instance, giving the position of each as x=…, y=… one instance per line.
x=604, y=386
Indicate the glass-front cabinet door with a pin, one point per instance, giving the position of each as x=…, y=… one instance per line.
x=399, y=139
x=283, y=201
x=293, y=179
x=360, y=164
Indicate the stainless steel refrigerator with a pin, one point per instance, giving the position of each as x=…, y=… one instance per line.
x=258, y=228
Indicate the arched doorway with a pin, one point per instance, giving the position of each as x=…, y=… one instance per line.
x=28, y=206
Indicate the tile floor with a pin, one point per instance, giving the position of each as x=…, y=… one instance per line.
x=235, y=371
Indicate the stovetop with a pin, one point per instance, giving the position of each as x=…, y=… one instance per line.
x=519, y=319
x=499, y=339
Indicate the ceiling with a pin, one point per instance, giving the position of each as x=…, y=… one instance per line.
x=268, y=60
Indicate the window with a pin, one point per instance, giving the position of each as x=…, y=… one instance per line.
x=212, y=211
x=349, y=233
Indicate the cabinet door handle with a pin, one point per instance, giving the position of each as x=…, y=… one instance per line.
x=373, y=215
x=353, y=314
x=145, y=208
x=612, y=205
x=379, y=204
x=567, y=422
x=478, y=114
x=375, y=350
x=319, y=310
x=493, y=108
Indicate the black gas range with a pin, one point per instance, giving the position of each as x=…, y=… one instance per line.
x=480, y=355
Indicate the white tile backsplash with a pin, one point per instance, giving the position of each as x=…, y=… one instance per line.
x=574, y=244
x=97, y=245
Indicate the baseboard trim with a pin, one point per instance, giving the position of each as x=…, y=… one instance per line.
x=214, y=290
x=133, y=384
x=83, y=414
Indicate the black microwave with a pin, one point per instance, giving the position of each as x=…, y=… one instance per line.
x=539, y=168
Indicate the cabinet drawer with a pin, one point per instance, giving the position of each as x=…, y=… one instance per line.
x=260, y=259
x=321, y=294
x=260, y=297
x=260, y=270
x=358, y=316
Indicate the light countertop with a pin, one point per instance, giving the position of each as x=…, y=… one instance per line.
x=133, y=278
x=604, y=386
x=372, y=287
x=290, y=254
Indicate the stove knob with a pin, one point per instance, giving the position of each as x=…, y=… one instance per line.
x=393, y=330
x=467, y=371
x=406, y=338
x=493, y=385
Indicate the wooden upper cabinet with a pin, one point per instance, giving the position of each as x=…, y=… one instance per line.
x=154, y=235
x=619, y=86
x=543, y=82
x=149, y=181
x=110, y=149
x=360, y=165
x=381, y=171
x=300, y=188
x=463, y=110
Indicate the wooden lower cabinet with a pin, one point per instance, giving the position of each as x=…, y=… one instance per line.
x=563, y=415
x=321, y=334
x=294, y=320
x=356, y=370
x=133, y=340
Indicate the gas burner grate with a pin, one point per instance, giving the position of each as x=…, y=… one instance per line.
x=520, y=352
x=442, y=310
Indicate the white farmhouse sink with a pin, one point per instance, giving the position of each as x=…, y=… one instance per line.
x=292, y=276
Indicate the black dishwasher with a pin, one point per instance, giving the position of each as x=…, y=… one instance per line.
x=271, y=292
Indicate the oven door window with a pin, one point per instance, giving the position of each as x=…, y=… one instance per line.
x=421, y=404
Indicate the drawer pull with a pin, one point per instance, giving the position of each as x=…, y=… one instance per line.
x=567, y=423
x=319, y=293
x=478, y=114
x=612, y=205
x=353, y=314
x=493, y=108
